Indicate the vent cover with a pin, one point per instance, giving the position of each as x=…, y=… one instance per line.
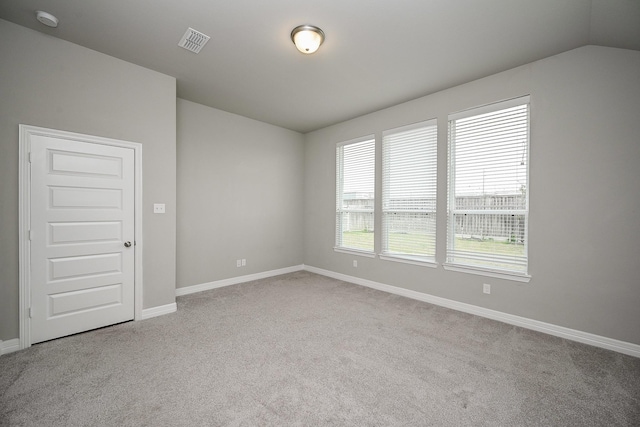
x=193, y=40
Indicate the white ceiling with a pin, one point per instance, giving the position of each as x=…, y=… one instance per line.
x=377, y=53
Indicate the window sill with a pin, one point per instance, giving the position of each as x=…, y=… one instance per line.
x=355, y=252
x=518, y=277
x=409, y=260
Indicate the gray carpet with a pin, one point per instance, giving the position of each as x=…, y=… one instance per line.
x=302, y=349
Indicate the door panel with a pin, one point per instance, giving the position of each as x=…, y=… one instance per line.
x=84, y=266
x=84, y=198
x=66, y=303
x=65, y=233
x=82, y=213
x=84, y=164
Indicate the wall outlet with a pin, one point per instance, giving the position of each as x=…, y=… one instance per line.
x=355, y=263
x=244, y=262
x=158, y=208
x=238, y=263
x=486, y=288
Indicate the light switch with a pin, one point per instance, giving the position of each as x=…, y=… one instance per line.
x=158, y=208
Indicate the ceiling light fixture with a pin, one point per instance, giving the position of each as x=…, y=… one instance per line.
x=47, y=19
x=307, y=38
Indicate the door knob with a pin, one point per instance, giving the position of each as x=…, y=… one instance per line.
x=127, y=244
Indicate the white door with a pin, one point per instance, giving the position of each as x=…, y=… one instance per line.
x=82, y=236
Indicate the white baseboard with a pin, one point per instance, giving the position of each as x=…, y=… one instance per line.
x=236, y=280
x=9, y=346
x=547, y=328
x=160, y=310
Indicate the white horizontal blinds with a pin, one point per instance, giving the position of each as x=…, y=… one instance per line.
x=355, y=189
x=488, y=187
x=409, y=169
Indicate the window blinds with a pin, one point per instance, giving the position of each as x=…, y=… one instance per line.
x=355, y=189
x=409, y=171
x=488, y=187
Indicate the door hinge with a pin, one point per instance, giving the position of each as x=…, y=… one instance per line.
x=30, y=313
x=30, y=235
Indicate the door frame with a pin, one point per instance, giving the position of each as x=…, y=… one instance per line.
x=24, y=182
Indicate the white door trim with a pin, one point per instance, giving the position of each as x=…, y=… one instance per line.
x=25, y=214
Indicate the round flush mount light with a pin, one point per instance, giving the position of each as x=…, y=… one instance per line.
x=47, y=19
x=307, y=38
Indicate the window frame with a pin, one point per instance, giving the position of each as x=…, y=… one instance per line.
x=338, y=243
x=385, y=253
x=450, y=262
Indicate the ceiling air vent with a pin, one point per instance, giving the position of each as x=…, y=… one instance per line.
x=193, y=40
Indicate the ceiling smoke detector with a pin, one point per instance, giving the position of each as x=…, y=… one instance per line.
x=47, y=19
x=193, y=40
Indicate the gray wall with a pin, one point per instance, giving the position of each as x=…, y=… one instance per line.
x=51, y=83
x=584, y=180
x=240, y=195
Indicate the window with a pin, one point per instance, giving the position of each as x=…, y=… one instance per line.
x=409, y=166
x=355, y=186
x=488, y=203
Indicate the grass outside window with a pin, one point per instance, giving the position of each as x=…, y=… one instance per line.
x=405, y=243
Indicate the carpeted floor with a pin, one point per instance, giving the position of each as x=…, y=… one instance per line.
x=307, y=350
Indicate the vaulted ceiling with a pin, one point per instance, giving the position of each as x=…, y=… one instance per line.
x=377, y=53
